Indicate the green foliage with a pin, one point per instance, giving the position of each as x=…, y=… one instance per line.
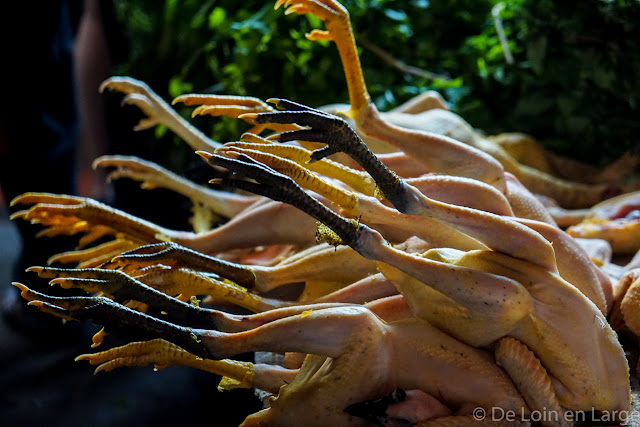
x=572, y=82
x=248, y=48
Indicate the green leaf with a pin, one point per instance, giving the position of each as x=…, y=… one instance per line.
x=178, y=87
x=217, y=16
x=160, y=131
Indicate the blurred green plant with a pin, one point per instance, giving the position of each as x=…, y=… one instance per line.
x=572, y=83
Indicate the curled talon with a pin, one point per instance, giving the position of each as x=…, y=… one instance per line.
x=457, y=290
x=279, y=187
x=178, y=256
x=122, y=287
x=358, y=180
x=439, y=267
x=338, y=137
x=83, y=215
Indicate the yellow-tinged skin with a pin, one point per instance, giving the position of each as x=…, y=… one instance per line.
x=572, y=261
x=481, y=296
x=512, y=290
x=380, y=357
x=626, y=308
x=435, y=137
x=531, y=379
x=568, y=194
x=350, y=344
x=622, y=234
x=557, y=322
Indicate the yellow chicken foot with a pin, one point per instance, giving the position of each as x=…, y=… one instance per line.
x=161, y=354
x=358, y=180
x=437, y=152
x=94, y=256
x=346, y=265
x=336, y=19
x=158, y=111
x=174, y=255
x=407, y=199
x=469, y=290
x=230, y=106
x=71, y=215
x=338, y=136
x=187, y=283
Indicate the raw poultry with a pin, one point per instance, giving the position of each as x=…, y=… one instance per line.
x=461, y=275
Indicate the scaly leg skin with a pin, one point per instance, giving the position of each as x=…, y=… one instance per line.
x=158, y=111
x=371, y=245
x=347, y=264
x=230, y=106
x=449, y=189
x=423, y=137
x=358, y=180
x=121, y=287
x=346, y=334
x=482, y=226
x=174, y=255
x=484, y=286
x=161, y=353
x=395, y=226
x=152, y=176
x=188, y=283
x=111, y=314
x=437, y=152
x=71, y=215
x=338, y=137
